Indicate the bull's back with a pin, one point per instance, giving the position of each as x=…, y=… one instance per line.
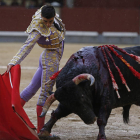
x=91, y=60
x=129, y=71
x=80, y=62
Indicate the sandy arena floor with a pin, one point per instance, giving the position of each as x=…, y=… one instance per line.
x=71, y=127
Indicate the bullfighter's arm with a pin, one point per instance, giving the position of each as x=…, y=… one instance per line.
x=26, y=48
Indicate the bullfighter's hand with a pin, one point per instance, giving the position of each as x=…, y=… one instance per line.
x=9, y=67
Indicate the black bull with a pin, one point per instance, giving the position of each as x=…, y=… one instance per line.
x=89, y=102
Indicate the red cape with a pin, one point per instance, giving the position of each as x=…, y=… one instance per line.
x=14, y=122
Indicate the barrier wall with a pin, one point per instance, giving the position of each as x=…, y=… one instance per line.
x=15, y=18
x=80, y=37
x=76, y=19
x=108, y=3
x=83, y=24
x=101, y=19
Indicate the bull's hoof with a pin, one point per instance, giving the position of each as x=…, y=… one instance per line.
x=52, y=137
x=101, y=138
x=45, y=135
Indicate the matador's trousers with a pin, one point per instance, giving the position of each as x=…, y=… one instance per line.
x=48, y=65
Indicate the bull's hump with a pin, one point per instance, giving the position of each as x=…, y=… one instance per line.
x=87, y=50
x=87, y=47
x=86, y=55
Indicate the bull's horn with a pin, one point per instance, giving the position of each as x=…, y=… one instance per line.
x=83, y=77
x=47, y=105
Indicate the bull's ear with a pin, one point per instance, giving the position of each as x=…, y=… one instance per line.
x=50, y=92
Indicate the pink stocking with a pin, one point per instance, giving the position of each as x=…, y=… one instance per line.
x=40, y=121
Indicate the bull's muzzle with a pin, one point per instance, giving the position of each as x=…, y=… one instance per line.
x=91, y=121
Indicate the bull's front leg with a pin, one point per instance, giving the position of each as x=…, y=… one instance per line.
x=60, y=112
x=104, y=113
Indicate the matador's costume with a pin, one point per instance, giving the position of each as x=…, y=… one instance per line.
x=52, y=40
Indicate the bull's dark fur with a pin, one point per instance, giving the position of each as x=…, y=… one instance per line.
x=126, y=113
x=100, y=98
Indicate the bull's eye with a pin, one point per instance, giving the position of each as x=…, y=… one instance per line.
x=82, y=97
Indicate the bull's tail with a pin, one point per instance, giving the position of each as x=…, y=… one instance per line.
x=125, y=114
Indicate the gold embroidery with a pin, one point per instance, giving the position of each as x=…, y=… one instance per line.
x=51, y=36
x=49, y=46
x=50, y=63
x=40, y=21
x=57, y=45
x=49, y=51
x=52, y=69
x=53, y=42
x=53, y=29
x=57, y=40
x=33, y=22
x=37, y=24
x=41, y=25
x=44, y=73
x=53, y=58
x=55, y=35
